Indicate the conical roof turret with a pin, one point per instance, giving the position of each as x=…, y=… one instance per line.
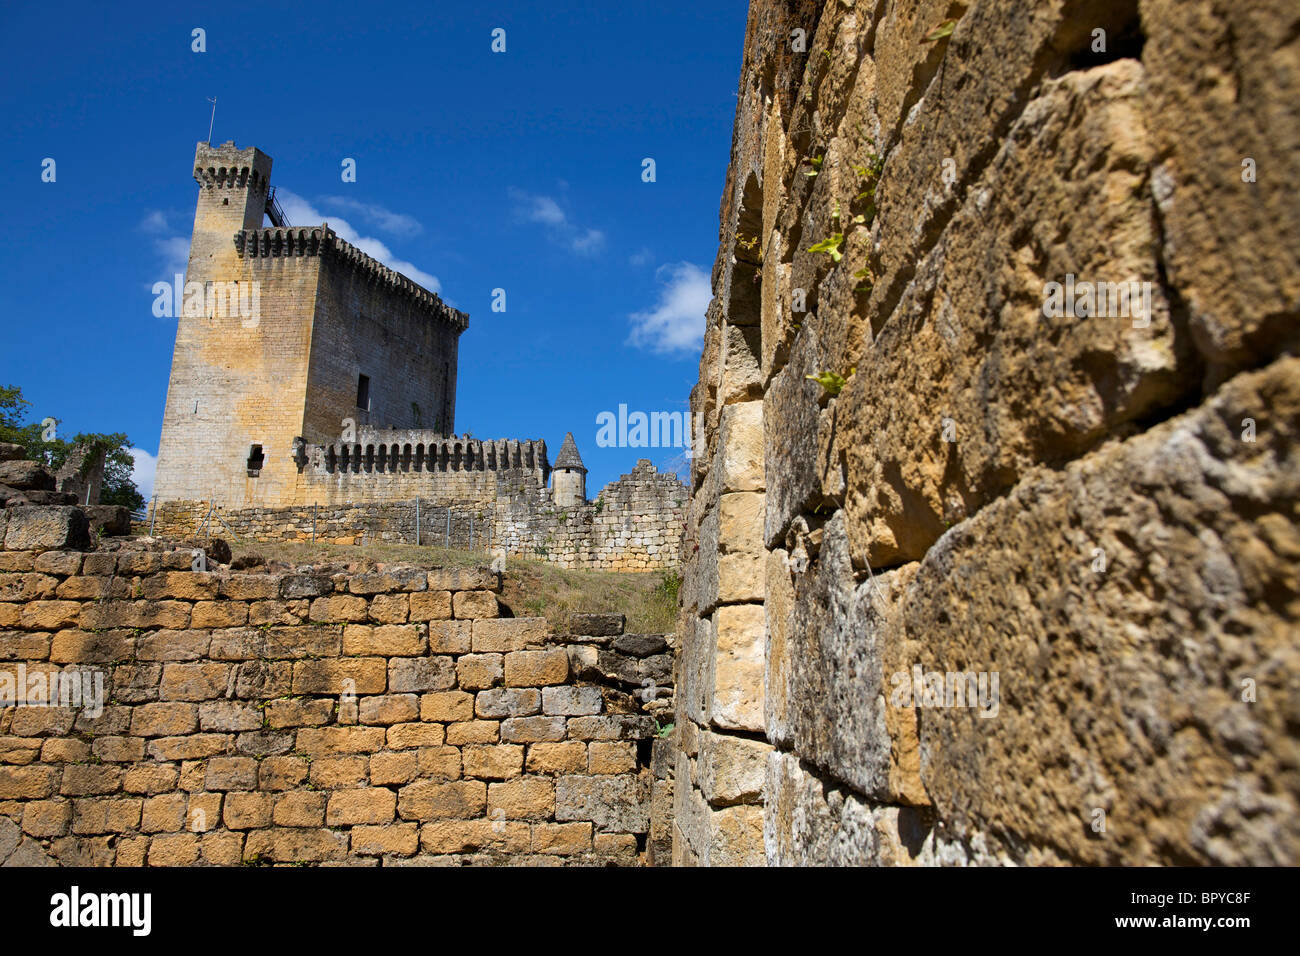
x=568, y=456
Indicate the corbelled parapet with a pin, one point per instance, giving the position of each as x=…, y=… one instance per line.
x=404, y=450
x=227, y=167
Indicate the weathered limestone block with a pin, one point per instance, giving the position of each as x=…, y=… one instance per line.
x=508, y=634
x=427, y=800
x=810, y=824
x=616, y=804
x=364, y=675
x=838, y=661
x=536, y=668
x=46, y=529
x=1216, y=94
x=571, y=701
x=26, y=475
x=430, y=606
x=732, y=769
x=475, y=604
x=393, y=579
x=567, y=757
x=696, y=671
x=406, y=675
x=736, y=697
x=790, y=421
x=1154, y=687
x=507, y=702
x=740, y=448
x=390, y=640
x=295, y=844
x=969, y=384
x=463, y=579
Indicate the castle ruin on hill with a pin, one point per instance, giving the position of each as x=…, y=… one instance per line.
x=313, y=395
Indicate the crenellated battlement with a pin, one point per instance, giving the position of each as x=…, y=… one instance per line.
x=226, y=167
x=285, y=242
x=394, y=451
x=277, y=241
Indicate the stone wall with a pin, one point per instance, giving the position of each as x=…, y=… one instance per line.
x=920, y=475
x=320, y=715
x=634, y=524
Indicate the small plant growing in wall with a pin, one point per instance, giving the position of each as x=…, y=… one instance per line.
x=868, y=173
x=944, y=29
x=832, y=382
x=830, y=245
x=866, y=280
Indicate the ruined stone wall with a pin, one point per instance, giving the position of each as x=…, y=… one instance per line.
x=466, y=525
x=635, y=524
x=316, y=716
x=917, y=468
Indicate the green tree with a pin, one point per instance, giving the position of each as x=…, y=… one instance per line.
x=117, y=488
x=12, y=411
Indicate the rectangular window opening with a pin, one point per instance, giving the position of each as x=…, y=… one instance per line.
x=363, y=392
x=255, y=460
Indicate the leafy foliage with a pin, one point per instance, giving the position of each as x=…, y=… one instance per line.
x=944, y=29
x=832, y=382
x=117, y=489
x=831, y=244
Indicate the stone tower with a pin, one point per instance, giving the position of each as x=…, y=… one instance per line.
x=569, y=475
x=288, y=332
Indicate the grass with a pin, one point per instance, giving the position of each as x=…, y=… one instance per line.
x=535, y=588
x=530, y=588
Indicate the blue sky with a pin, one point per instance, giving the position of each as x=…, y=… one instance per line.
x=476, y=170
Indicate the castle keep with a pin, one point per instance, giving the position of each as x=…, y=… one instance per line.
x=307, y=375
x=336, y=338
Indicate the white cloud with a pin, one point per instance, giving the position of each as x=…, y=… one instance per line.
x=545, y=210
x=175, y=254
x=642, y=257
x=590, y=241
x=155, y=221
x=300, y=212
x=381, y=217
x=172, y=252
x=676, y=323
x=143, y=472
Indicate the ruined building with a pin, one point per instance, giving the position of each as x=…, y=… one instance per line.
x=308, y=376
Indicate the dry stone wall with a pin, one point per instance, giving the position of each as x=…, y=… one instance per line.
x=318, y=715
x=921, y=475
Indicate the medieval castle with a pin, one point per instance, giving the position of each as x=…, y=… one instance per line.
x=313, y=393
